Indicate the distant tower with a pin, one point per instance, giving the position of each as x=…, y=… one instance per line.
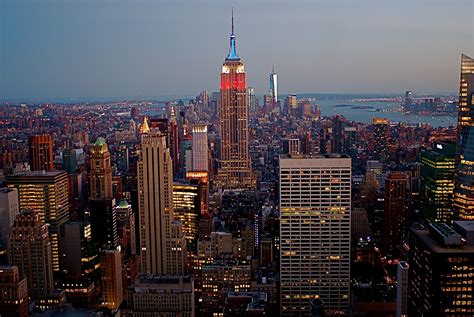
x=200, y=148
x=30, y=251
x=100, y=171
x=161, y=238
x=381, y=145
x=235, y=170
x=41, y=152
x=464, y=181
x=274, y=86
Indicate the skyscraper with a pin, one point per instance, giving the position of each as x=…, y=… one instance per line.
x=186, y=206
x=41, y=152
x=338, y=134
x=274, y=86
x=200, y=148
x=103, y=219
x=464, y=181
x=395, y=213
x=441, y=269
x=30, y=251
x=381, y=145
x=437, y=173
x=315, y=204
x=8, y=211
x=235, y=170
x=69, y=161
x=161, y=239
x=111, y=266
x=13, y=293
x=100, y=181
x=46, y=193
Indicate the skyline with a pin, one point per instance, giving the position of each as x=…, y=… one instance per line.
x=122, y=54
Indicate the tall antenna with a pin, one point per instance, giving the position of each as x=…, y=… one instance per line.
x=232, y=20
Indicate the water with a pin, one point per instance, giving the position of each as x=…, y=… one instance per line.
x=378, y=109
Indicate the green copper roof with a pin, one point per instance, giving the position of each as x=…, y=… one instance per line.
x=100, y=141
x=123, y=204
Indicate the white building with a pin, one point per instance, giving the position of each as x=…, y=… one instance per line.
x=8, y=211
x=200, y=156
x=315, y=204
x=402, y=289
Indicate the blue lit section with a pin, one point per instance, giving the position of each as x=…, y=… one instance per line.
x=232, y=50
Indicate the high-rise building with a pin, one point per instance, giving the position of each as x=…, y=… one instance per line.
x=111, y=278
x=395, y=213
x=402, y=289
x=441, y=270
x=437, y=174
x=69, y=161
x=152, y=295
x=8, y=212
x=235, y=170
x=200, y=148
x=103, y=219
x=315, y=205
x=162, y=242
x=274, y=86
x=126, y=227
x=381, y=141
x=100, y=171
x=464, y=181
x=252, y=100
x=30, y=251
x=338, y=134
x=45, y=193
x=41, y=152
x=408, y=102
x=123, y=161
x=291, y=104
x=13, y=293
x=186, y=209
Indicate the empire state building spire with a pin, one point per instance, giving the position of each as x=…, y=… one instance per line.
x=232, y=49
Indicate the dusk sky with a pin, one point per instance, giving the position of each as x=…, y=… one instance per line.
x=99, y=48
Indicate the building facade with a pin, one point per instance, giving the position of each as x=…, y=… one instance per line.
x=153, y=295
x=441, y=270
x=30, y=251
x=200, y=148
x=45, y=193
x=111, y=278
x=13, y=293
x=464, y=181
x=437, y=174
x=41, y=152
x=162, y=250
x=315, y=234
x=8, y=212
x=100, y=171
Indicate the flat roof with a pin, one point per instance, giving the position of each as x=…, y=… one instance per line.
x=425, y=236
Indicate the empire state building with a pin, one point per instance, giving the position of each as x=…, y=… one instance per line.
x=234, y=169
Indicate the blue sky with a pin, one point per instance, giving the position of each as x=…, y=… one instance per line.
x=108, y=48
